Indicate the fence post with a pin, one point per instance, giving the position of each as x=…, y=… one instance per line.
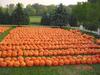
x=81, y=27
x=98, y=31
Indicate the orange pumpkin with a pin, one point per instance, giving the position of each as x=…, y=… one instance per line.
x=88, y=61
x=25, y=53
x=9, y=53
x=61, y=62
x=22, y=64
x=16, y=64
x=14, y=53
x=1, y=59
x=3, y=64
x=72, y=61
x=42, y=62
x=66, y=61
x=41, y=53
x=27, y=59
x=4, y=53
x=36, y=53
x=10, y=63
x=20, y=53
x=48, y=62
x=29, y=63
x=36, y=62
x=54, y=63
x=14, y=58
x=0, y=53
x=20, y=59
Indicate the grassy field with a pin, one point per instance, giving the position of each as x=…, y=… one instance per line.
x=58, y=70
x=35, y=20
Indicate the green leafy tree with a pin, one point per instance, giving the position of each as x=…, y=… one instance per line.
x=80, y=11
x=40, y=9
x=51, y=8
x=11, y=8
x=30, y=10
x=88, y=14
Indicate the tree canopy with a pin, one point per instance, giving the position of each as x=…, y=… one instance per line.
x=19, y=17
x=60, y=17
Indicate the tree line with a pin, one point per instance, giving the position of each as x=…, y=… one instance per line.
x=17, y=17
x=84, y=13
x=88, y=14
x=60, y=17
x=20, y=15
x=32, y=9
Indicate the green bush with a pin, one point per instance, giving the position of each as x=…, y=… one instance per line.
x=91, y=26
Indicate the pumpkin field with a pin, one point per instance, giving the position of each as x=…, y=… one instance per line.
x=48, y=51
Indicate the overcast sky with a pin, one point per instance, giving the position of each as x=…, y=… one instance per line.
x=45, y=2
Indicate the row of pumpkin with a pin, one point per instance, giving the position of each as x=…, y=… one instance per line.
x=48, y=61
x=41, y=41
x=15, y=53
x=49, y=47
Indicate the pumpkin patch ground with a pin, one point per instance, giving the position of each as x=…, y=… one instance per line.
x=48, y=51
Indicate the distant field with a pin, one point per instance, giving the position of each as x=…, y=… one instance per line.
x=35, y=20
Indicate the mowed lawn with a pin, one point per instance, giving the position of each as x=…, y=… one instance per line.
x=58, y=70
x=35, y=20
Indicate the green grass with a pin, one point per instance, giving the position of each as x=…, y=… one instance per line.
x=35, y=20
x=59, y=70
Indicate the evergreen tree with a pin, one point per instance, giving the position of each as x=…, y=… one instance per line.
x=1, y=16
x=45, y=20
x=73, y=21
x=60, y=17
x=19, y=17
x=7, y=17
